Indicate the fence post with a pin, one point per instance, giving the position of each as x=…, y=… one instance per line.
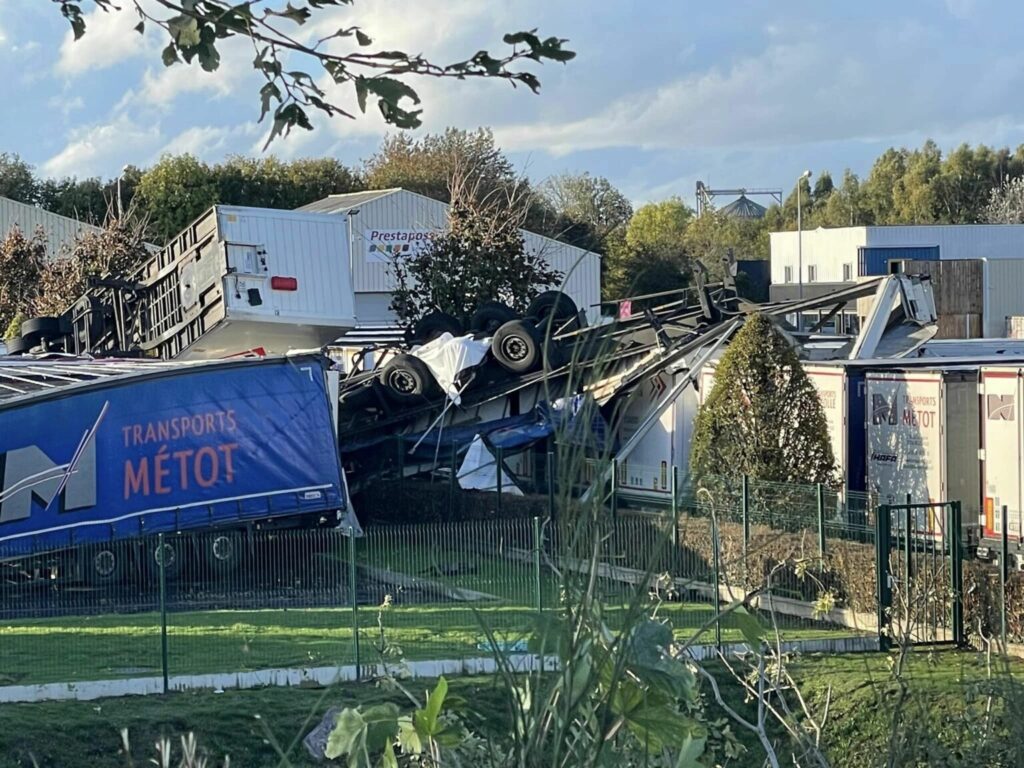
x=551, y=484
x=537, y=582
x=676, y=544
x=883, y=588
x=353, y=596
x=717, y=566
x=500, y=471
x=453, y=481
x=163, y=610
x=1004, y=573
x=956, y=557
x=821, y=520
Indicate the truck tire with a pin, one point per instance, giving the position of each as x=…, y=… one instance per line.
x=174, y=550
x=433, y=325
x=17, y=346
x=552, y=305
x=517, y=347
x=406, y=378
x=104, y=565
x=223, y=552
x=490, y=316
x=41, y=327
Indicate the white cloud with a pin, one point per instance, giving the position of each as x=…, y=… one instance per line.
x=99, y=148
x=110, y=39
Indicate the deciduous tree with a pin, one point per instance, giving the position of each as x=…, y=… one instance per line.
x=591, y=203
x=17, y=180
x=479, y=257
x=22, y=261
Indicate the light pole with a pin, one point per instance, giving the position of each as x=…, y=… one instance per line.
x=800, y=233
x=120, y=206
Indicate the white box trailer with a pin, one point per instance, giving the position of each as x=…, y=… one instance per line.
x=1002, y=452
x=646, y=473
x=922, y=438
x=244, y=278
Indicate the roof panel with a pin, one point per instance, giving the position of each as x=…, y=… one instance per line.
x=339, y=203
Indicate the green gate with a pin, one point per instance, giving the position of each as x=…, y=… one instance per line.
x=920, y=574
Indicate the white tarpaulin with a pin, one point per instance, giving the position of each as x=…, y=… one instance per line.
x=479, y=471
x=447, y=355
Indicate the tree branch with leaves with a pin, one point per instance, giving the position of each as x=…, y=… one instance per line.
x=291, y=61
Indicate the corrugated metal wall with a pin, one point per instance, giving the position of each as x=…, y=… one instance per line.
x=1004, y=294
x=403, y=210
x=60, y=230
x=874, y=260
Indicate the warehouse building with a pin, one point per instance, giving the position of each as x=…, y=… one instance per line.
x=60, y=231
x=389, y=222
x=977, y=270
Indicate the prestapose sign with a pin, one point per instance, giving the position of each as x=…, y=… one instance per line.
x=384, y=245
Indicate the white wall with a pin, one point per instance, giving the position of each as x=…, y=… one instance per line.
x=1004, y=295
x=826, y=249
x=829, y=249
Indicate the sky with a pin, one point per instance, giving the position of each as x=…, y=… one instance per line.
x=745, y=93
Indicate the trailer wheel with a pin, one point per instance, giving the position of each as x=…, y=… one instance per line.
x=223, y=552
x=490, y=316
x=517, y=347
x=407, y=378
x=172, y=555
x=104, y=565
x=433, y=325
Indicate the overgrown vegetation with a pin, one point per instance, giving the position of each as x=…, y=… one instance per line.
x=763, y=417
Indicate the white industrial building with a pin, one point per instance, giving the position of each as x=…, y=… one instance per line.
x=60, y=231
x=818, y=261
x=838, y=256
x=384, y=222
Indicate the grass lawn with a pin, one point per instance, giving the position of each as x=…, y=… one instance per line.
x=247, y=724
x=108, y=647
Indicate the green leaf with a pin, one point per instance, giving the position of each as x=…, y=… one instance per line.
x=388, y=759
x=184, y=30
x=348, y=734
x=140, y=27
x=361, y=92
x=169, y=55
x=381, y=726
x=748, y=625
x=691, y=750
x=362, y=38
x=427, y=720
x=408, y=739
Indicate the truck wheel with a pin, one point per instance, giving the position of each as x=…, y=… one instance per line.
x=433, y=325
x=104, y=565
x=223, y=552
x=490, y=316
x=554, y=307
x=517, y=347
x=17, y=346
x=407, y=378
x=172, y=555
x=41, y=327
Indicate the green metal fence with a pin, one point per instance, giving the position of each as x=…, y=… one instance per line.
x=226, y=602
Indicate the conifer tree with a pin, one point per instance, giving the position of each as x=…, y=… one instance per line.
x=763, y=416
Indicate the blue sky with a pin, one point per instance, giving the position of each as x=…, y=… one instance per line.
x=662, y=93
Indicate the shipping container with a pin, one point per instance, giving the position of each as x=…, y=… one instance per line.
x=245, y=278
x=921, y=440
